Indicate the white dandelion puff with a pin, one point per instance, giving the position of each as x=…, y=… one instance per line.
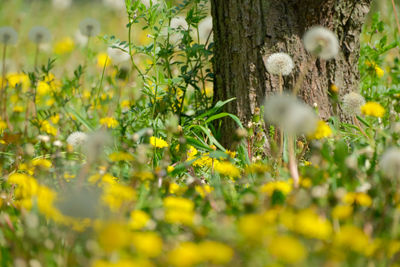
x=292, y=115
x=390, y=163
x=89, y=27
x=279, y=64
x=118, y=53
x=321, y=42
x=8, y=36
x=77, y=138
x=351, y=104
x=39, y=35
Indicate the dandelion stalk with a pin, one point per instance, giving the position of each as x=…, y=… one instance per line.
x=294, y=172
x=395, y=15
x=3, y=75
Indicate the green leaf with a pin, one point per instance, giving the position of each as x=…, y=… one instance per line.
x=81, y=119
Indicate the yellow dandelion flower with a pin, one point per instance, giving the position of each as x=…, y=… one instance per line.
x=64, y=46
x=226, y=168
x=373, y=109
x=379, y=72
x=109, y=122
x=147, y=243
x=103, y=60
x=285, y=187
x=323, y=130
x=138, y=219
x=287, y=249
x=120, y=156
x=42, y=163
x=158, y=142
x=361, y=199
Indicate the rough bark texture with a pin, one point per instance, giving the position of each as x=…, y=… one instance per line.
x=245, y=31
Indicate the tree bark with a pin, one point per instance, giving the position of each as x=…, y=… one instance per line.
x=245, y=31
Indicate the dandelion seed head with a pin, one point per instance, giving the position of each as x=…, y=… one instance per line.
x=89, y=27
x=290, y=114
x=39, y=35
x=321, y=42
x=279, y=64
x=352, y=103
x=8, y=35
x=390, y=163
x=77, y=138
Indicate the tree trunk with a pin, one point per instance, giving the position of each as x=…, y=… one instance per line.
x=245, y=31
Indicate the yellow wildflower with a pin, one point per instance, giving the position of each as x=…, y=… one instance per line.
x=158, y=142
x=342, y=212
x=215, y=252
x=42, y=163
x=113, y=236
x=116, y=195
x=373, y=109
x=361, y=199
x=379, y=72
x=323, y=130
x=147, y=243
x=43, y=88
x=138, y=219
x=203, y=190
x=176, y=189
x=120, y=156
x=109, y=122
x=103, y=60
x=281, y=186
x=308, y=223
x=287, y=249
x=353, y=238
x=226, y=168
x=179, y=210
x=185, y=255
x=64, y=46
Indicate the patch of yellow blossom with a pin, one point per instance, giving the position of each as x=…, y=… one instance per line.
x=138, y=219
x=227, y=169
x=189, y=254
x=342, y=212
x=3, y=125
x=179, y=210
x=48, y=128
x=285, y=187
x=311, y=225
x=352, y=238
x=257, y=168
x=359, y=198
x=22, y=79
x=158, y=142
x=176, y=189
x=42, y=163
x=116, y=195
x=102, y=180
x=323, y=130
x=148, y=244
x=373, y=109
x=203, y=190
x=287, y=249
x=109, y=122
x=120, y=156
x=103, y=60
x=137, y=262
x=113, y=236
x=64, y=46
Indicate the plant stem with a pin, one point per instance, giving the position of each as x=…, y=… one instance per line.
x=294, y=172
x=3, y=76
x=395, y=15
